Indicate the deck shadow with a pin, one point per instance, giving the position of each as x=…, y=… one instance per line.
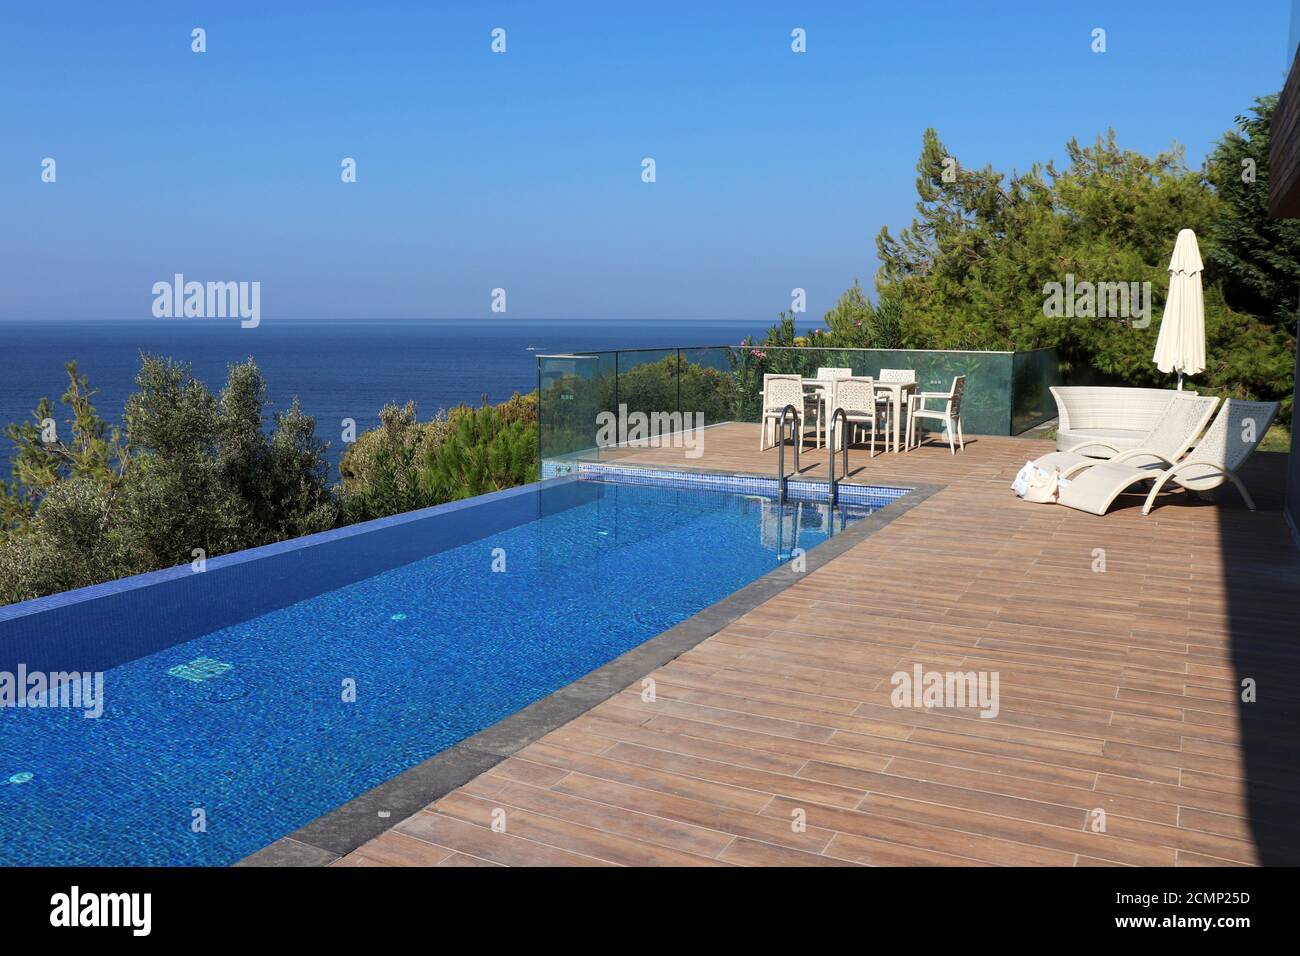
x=1261, y=581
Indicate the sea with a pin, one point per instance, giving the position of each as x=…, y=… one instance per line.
x=338, y=369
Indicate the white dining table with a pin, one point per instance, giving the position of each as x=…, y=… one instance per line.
x=821, y=388
x=896, y=392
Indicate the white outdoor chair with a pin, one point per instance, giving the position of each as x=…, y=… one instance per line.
x=857, y=396
x=778, y=392
x=1180, y=423
x=1237, y=430
x=950, y=414
x=813, y=402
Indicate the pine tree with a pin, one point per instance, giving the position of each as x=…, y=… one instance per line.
x=483, y=453
x=1256, y=258
x=46, y=453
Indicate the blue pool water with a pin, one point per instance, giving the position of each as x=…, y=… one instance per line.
x=249, y=724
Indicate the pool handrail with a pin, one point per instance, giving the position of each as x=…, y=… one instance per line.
x=797, y=435
x=830, y=445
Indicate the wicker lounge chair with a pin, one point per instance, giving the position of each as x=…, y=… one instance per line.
x=1236, y=431
x=1174, y=432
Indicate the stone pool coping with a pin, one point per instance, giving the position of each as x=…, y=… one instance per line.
x=344, y=829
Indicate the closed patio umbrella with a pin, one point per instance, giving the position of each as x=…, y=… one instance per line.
x=1181, y=345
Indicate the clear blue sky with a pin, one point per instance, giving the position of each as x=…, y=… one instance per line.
x=523, y=170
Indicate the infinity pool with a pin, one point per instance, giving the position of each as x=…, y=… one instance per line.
x=228, y=692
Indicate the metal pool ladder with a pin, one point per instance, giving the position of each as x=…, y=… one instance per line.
x=830, y=444
x=797, y=438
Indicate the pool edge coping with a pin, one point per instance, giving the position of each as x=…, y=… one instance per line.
x=347, y=827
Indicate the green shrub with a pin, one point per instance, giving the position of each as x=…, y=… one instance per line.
x=380, y=470
x=193, y=472
x=73, y=539
x=405, y=464
x=484, y=452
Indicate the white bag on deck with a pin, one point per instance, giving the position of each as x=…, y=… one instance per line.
x=1039, y=486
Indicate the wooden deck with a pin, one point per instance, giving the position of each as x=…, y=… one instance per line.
x=1120, y=692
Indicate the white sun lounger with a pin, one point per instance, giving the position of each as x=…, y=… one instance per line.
x=1174, y=432
x=1236, y=432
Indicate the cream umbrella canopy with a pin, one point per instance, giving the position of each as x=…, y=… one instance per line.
x=1180, y=346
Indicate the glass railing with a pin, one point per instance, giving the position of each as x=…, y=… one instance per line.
x=1033, y=374
x=588, y=399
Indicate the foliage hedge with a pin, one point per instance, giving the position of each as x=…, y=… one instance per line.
x=194, y=475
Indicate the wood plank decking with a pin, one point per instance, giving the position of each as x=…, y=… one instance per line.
x=1120, y=691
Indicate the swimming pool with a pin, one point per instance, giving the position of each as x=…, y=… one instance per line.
x=242, y=702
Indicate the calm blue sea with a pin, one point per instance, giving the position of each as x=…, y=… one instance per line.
x=339, y=369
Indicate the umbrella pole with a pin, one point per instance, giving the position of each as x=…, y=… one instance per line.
x=1180, y=381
